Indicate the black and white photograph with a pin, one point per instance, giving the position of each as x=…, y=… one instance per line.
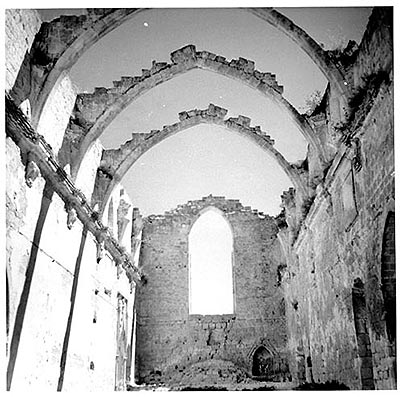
x=199, y=196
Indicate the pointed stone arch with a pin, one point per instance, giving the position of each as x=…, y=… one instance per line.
x=94, y=112
x=308, y=45
x=226, y=260
x=262, y=361
x=50, y=59
x=48, y=62
x=115, y=163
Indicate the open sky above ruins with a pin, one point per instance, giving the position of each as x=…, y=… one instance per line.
x=205, y=159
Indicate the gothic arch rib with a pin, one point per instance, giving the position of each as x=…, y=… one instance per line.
x=115, y=163
x=46, y=74
x=307, y=44
x=51, y=62
x=88, y=124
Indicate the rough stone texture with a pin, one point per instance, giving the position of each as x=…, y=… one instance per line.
x=94, y=111
x=22, y=210
x=336, y=240
x=21, y=27
x=340, y=242
x=168, y=338
x=372, y=56
x=48, y=304
x=56, y=113
x=118, y=217
x=57, y=46
x=40, y=289
x=115, y=163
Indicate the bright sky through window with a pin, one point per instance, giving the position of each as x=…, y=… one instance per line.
x=210, y=249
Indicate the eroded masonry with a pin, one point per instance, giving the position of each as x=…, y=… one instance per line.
x=98, y=296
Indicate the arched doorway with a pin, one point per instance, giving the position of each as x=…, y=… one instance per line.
x=262, y=363
x=388, y=276
x=363, y=340
x=388, y=286
x=210, y=265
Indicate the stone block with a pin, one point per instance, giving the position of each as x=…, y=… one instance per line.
x=184, y=54
x=244, y=121
x=183, y=116
x=217, y=111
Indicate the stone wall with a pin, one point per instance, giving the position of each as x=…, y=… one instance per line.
x=372, y=56
x=44, y=285
x=69, y=309
x=321, y=299
x=339, y=247
x=168, y=338
x=21, y=27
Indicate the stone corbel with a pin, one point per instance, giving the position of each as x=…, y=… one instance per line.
x=355, y=154
x=120, y=268
x=71, y=215
x=100, y=248
x=131, y=286
x=31, y=170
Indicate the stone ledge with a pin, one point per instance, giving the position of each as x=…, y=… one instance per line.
x=19, y=129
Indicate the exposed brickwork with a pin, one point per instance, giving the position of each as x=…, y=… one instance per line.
x=167, y=337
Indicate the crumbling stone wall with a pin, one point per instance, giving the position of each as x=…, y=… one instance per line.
x=372, y=56
x=332, y=242
x=115, y=163
x=340, y=245
x=21, y=27
x=90, y=363
x=63, y=288
x=168, y=338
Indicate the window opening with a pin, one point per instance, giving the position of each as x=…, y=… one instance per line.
x=210, y=265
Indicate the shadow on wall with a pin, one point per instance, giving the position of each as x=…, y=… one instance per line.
x=269, y=367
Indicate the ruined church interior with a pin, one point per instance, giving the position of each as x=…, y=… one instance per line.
x=274, y=269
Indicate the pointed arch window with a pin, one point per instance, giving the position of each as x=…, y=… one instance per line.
x=210, y=265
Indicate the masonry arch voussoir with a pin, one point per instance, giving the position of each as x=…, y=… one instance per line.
x=307, y=44
x=112, y=101
x=211, y=207
x=115, y=163
x=80, y=33
x=106, y=20
x=260, y=343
